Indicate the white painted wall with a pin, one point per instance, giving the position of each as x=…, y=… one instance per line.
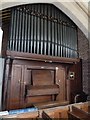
x=1, y=66
x=1, y=34
x=1, y=78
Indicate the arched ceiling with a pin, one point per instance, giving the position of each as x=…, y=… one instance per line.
x=77, y=10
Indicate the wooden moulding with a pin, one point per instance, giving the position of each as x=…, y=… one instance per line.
x=38, y=57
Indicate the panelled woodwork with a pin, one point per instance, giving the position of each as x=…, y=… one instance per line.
x=40, y=76
x=16, y=86
x=46, y=75
x=18, y=81
x=76, y=83
x=13, y=86
x=61, y=80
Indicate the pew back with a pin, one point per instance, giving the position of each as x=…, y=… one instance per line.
x=31, y=115
x=58, y=112
x=78, y=114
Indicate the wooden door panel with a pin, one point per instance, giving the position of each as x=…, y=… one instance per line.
x=15, y=90
x=76, y=83
x=60, y=79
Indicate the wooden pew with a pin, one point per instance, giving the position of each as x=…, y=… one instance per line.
x=78, y=114
x=24, y=116
x=85, y=106
x=46, y=116
x=77, y=111
x=63, y=112
x=56, y=113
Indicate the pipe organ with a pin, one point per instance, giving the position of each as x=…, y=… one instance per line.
x=42, y=29
x=41, y=56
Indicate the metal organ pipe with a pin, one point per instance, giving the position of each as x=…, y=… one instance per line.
x=42, y=29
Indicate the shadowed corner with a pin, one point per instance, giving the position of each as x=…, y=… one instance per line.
x=89, y=52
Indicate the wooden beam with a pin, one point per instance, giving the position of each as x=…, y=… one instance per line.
x=38, y=57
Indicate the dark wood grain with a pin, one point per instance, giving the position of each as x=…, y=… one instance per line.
x=39, y=73
x=30, y=56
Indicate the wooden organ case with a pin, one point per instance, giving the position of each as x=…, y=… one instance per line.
x=29, y=81
x=40, y=50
